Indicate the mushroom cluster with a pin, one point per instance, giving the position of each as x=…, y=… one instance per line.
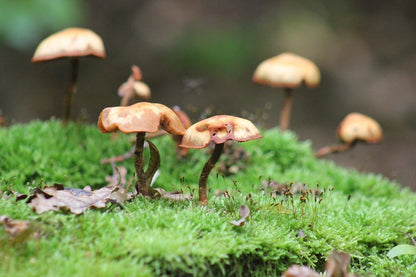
x=141, y=118
x=286, y=70
x=145, y=117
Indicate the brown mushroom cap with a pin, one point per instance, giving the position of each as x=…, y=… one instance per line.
x=131, y=87
x=219, y=129
x=141, y=89
x=71, y=42
x=356, y=126
x=134, y=85
x=287, y=70
x=140, y=117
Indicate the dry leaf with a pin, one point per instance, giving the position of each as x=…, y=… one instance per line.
x=75, y=200
x=337, y=265
x=19, y=230
x=300, y=271
x=244, y=213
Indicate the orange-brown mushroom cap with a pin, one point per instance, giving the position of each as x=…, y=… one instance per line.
x=219, y=129
x=70, y=42
x=356, y=126
x=140, y=117
x=131, y=87
x=287, y=70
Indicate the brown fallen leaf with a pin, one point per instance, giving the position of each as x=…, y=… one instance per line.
x=337, y=265
x=18, y=230
x=300, y=271
x=244, y=213
x=75, y=200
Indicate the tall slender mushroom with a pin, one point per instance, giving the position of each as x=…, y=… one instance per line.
x=217, y=129
x=288, y=71
x=354, y=128
x=133, y=87
x=71, y=43
x=141, y=118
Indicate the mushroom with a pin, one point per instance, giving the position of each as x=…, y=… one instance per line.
x=289, y=71
x=217, y=129
x=71, y=43
x=354, y=128
x=141, y=118
x=133, y=86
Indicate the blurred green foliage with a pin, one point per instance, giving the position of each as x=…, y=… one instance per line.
x=220, y=52
x=24, y=22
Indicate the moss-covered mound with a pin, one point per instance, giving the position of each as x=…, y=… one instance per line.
x=362, y=214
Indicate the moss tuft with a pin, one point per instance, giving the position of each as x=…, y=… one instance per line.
x=362, y=214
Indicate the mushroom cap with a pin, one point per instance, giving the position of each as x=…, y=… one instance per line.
x=141, y=89
x=356, y=126
x=186, y=122
x=219, y=129
x=70, y=42
x=134, y=85
x=140, y=117
x=287, y=70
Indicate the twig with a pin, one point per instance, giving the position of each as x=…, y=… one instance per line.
x=121, y=158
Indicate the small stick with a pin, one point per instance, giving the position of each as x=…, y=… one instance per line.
x=332, y=149
x=120, y=158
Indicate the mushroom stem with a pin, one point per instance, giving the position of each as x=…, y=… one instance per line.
x=72, y=89
x=287, y=107
x=203, y=193
x=125, y=99
x=333, y=149
x=141, y=186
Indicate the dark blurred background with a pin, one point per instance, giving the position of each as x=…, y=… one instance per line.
x=201, y=55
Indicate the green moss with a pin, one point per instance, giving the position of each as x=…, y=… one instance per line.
x=363, y=215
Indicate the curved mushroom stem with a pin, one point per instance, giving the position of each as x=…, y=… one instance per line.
x=333, y=149
x=287, y=107
x=72, y=89
x=203, y=192
x=153, y=166
x=125, y=99
x=141, y=186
